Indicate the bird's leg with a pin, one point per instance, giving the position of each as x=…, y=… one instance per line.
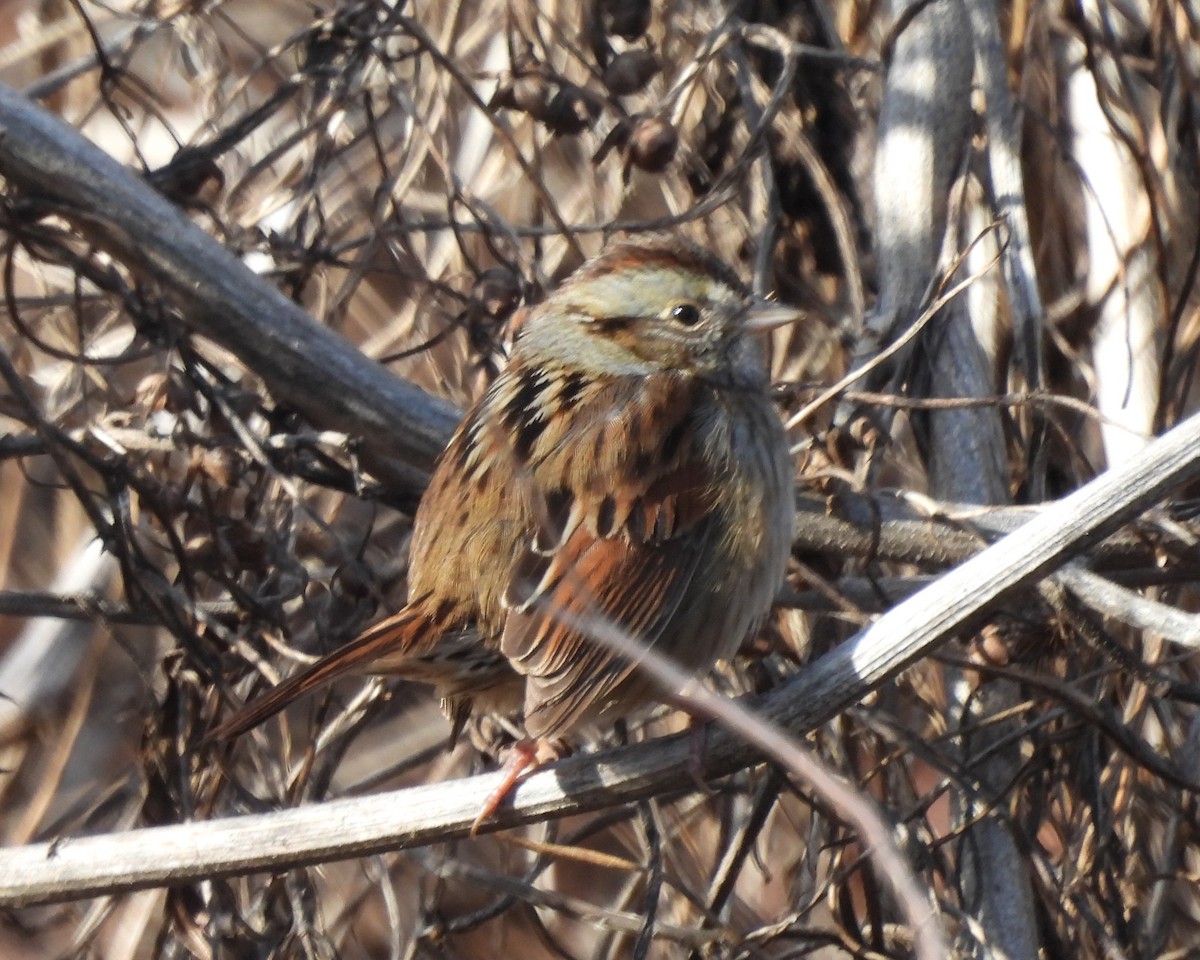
x=524, y=756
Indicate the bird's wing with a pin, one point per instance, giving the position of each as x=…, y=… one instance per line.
x=622, y=557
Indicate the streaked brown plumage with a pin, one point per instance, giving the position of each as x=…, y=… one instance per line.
x=627, y=465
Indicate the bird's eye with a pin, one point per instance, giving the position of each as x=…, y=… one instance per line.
x=686, y=313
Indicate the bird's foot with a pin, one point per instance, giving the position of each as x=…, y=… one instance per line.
x=524, y=757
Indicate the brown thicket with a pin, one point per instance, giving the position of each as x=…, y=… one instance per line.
x=189, y=510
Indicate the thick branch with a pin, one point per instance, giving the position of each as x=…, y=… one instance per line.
x=75, y=868
x=305, y=365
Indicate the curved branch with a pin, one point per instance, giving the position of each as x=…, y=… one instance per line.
x=74, y=868
x=306, y=365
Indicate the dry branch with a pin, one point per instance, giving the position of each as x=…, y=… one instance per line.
x=308, y=366
x=406, y=172
x=73, y=868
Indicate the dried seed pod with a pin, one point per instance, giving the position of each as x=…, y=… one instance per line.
x=645, y=140
x=630, y=71
x=497, y=292
x=350, y=597
x=223, y=467
x=616, y=139
x=352, y=580
x=627, y=19
x=531, y=93
x=151, y=392
x=191, y=179
x=572, y=111
x=652, y=143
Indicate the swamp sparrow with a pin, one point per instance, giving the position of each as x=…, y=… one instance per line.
x=627, y=468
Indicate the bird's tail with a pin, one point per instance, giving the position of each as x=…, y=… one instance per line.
x=379, y=649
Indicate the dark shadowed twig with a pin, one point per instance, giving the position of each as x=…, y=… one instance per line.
x=308, y=366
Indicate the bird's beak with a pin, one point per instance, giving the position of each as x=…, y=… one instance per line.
x=767, y=315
